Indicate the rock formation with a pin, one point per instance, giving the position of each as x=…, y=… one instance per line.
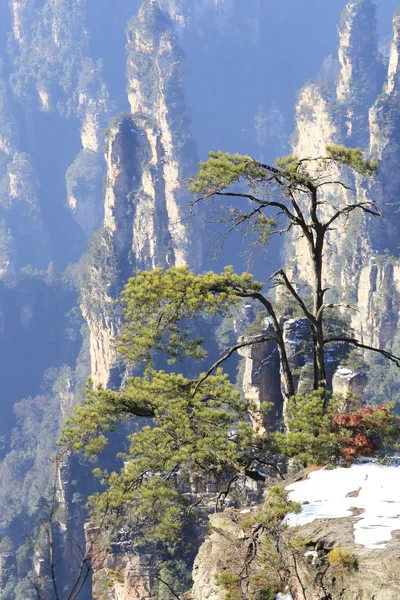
x=148, y=155
x=359, y=108
x=61, y=79
x=315, y=576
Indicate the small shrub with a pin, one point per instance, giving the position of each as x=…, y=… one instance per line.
x=366, y=432
x=339, y=557
x=230, y=583
x=321, y=432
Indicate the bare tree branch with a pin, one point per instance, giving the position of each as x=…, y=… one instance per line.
x=175, y=595
x=364, y=206
x=229, y=352
x=358, y=344
x=335, y=182
x=220, y=501
x=285, y=281
x=263, y=203
x=330, y=306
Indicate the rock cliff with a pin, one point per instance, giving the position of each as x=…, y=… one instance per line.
x=364, y=533
x=148, y=153
x=60, y=84
x=357, y=108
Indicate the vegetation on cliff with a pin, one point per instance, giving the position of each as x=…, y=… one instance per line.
x=190, y=445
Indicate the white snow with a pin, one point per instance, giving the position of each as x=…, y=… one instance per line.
x=344, y=372
x=314, y=555
x=325, y=493
x=286, y=596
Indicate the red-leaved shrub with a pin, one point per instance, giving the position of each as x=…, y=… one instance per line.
x=365, y=432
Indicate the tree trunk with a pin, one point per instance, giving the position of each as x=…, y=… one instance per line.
x=317, y=251
x=286, y=374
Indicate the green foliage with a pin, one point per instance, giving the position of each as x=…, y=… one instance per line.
x=384, y=378
x=101, y=587
x=160, y=307
x=177, y=574
x=6, y=545
x=38, y=422
x=84, y=176
x=310, y=439
x=24, y=590
x=287, y=307
x=263, y=227
x=321, y=431
x=339, y=557
x=51, y=62
x=353, y=158
x=114, y=124
x=102, y=411
x=276, y=547
x=272, y=513
x=257, y=325
x=199, y=428
x=223, y=170
x=6, y=245
x=99, y=273
x=230, y=583
x=190, y=435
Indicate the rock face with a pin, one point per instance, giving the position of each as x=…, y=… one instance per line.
x=358, y=108
x=346, y=381
x=368, y=491
x=211, y=559
x=119, y=574
x=147, y=156
x=261, y=383
x=84, y=176
x=377, y=575
x=155, y=89
x=358, y=82
x=261, y=379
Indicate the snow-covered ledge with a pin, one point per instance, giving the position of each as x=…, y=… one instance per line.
x=333, y=494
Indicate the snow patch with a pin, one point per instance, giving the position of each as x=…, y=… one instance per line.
x=344, y=372
x=286, y=596
x=314, y=556
x=376, y=491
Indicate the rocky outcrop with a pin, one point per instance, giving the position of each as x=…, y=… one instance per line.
x=359, y=76
x=315, y=575
x=135, y=211
x=134, y=579
x=148, y=153
x=214, y=556
x=378, y=302
x=155, y=89
x=261, y=383
x=376, y=578
x=21, y=12
x=346, y=381
x=360, y=109
x=120, y=571
x=84, y=177
x=189, y=14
